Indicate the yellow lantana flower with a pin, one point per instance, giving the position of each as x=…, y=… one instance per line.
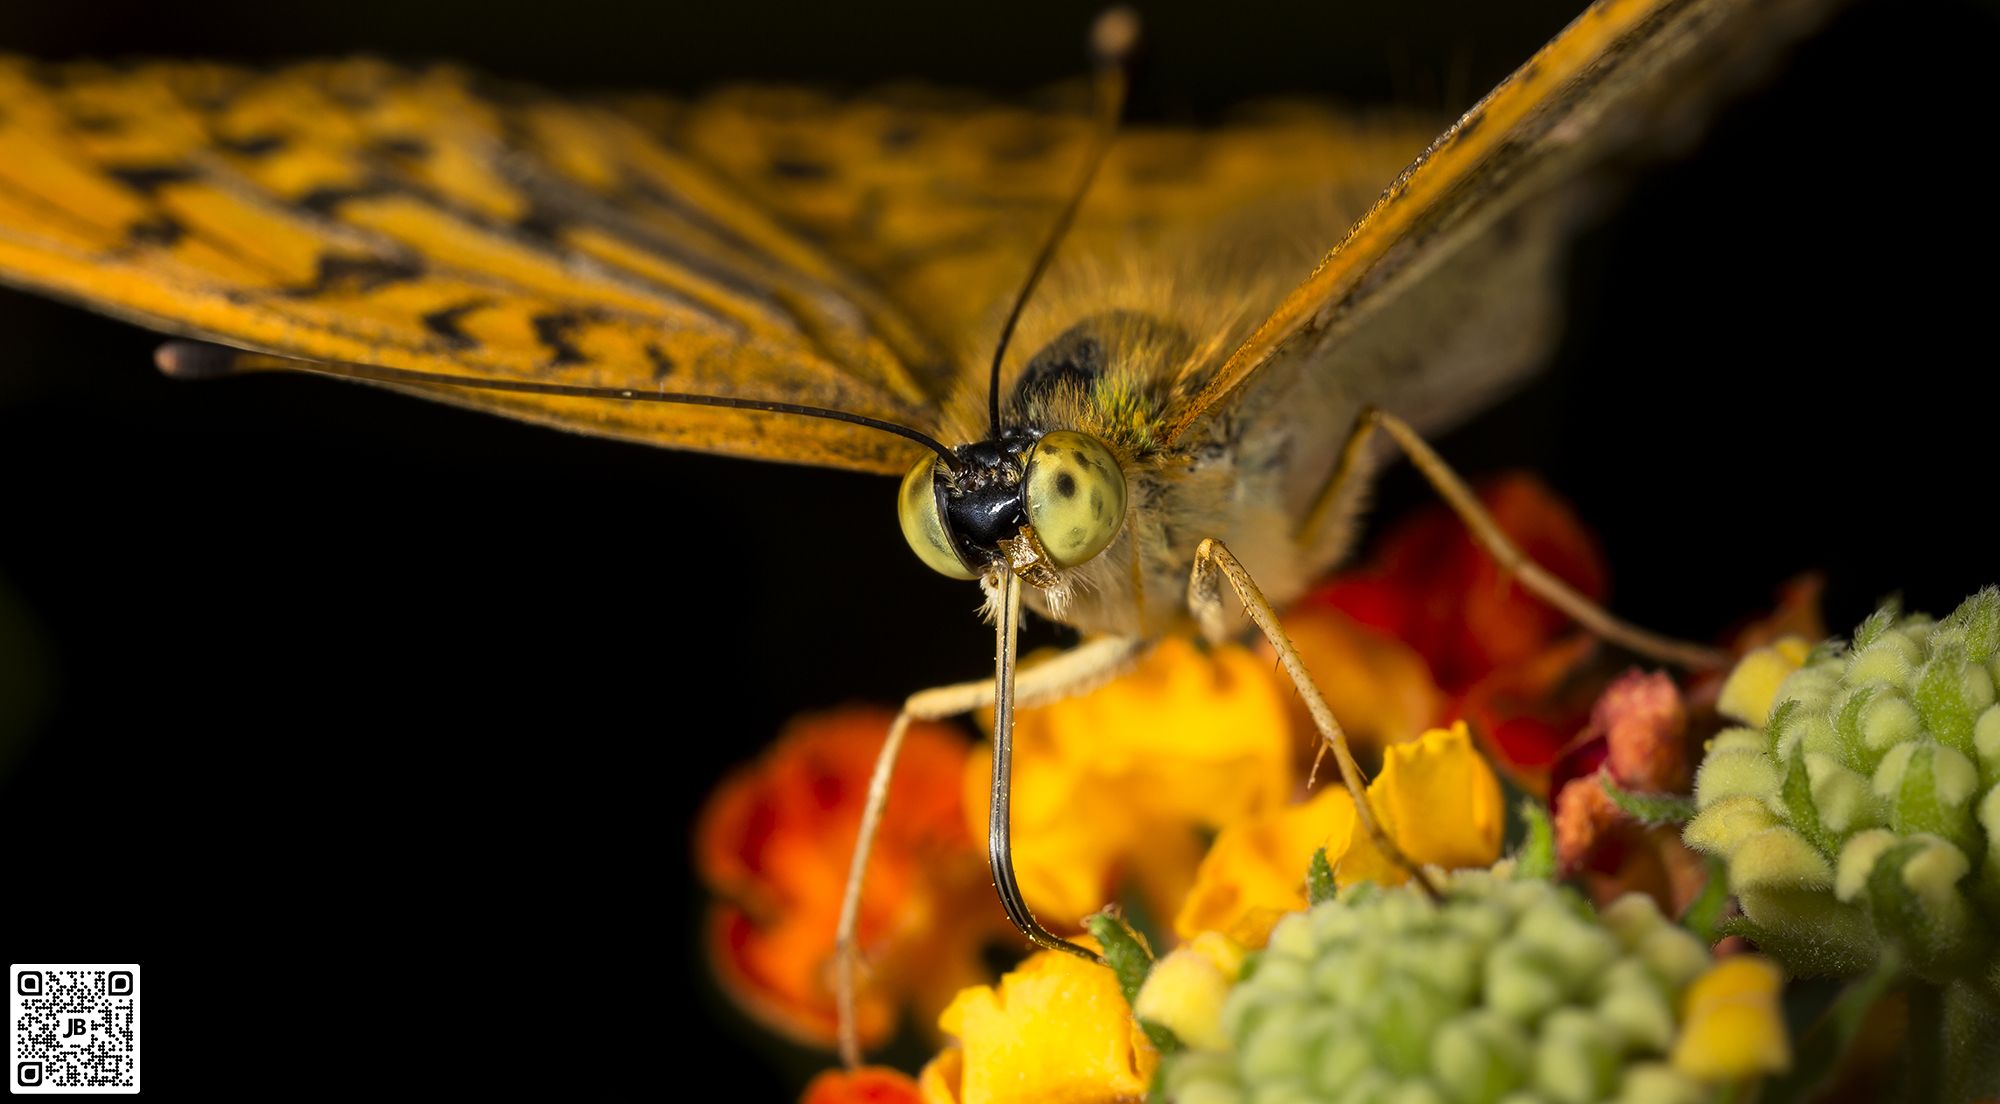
x=1055, y=1030
x=1120, y=780
x=1436, y=796
x=1439, y=800
x=1732, y=1025
x=1185, y=989
x=1753, y=685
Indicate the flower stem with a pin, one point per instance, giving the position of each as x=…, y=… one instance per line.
x=1924, y=1074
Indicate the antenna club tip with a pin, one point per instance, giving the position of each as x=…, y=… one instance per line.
x=193, y=360
x=1115, y=33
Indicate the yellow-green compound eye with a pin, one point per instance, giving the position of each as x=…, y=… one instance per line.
x=1075, y=496
x=923, y=526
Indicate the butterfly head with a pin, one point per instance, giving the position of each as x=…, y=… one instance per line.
x=1030, y=502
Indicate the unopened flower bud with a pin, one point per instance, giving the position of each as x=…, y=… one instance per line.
x=1506, y=990
x=1864, y=811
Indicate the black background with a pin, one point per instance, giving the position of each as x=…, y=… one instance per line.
x=374, y=730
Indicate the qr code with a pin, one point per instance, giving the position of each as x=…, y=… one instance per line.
x=73, y=1028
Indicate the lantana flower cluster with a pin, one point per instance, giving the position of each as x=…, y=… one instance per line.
x=1295, y=961
x=1506, y=989
x=1858, y=802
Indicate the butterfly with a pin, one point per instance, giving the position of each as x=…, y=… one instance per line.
x=553, y=335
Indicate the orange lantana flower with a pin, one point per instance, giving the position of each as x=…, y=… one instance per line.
x=1379, y=688
x=867, y=1085
x=774, y=842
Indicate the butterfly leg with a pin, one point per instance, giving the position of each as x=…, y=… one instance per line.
x=1076, y=671
x=1537, y=579
x=1213, y=562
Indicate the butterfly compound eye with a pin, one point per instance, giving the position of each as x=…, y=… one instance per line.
x=918, y=508
x=1075, y=496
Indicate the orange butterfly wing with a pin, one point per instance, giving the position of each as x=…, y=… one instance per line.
x=783, y=246
x=359, y=212
x=765, y=244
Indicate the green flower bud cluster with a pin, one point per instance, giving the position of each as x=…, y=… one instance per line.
x=1864, y=809
x=1508, y=991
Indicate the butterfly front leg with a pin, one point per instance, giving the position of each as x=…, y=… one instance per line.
x=1074, y=672
x=1213, y=564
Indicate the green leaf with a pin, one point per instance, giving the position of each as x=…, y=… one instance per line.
x=1163, y=1038
x=1745, y=927
x=1940, y=699
x=1704, y=913
x=1537, y=857
x=1124, y=951
x=1319, y=879
x=1798, y=797
x=1648, y=808
x=1138, y=915
x=1921, y=804
x=1847, y=725
x=1977, y=621
x=1783, y=716
x=1898, y=913
x=1800, y=950
x=1821, y=1046
x=1879, y=622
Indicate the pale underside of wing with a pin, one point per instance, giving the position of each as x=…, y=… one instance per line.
x=769, y=245
x=1441, y=294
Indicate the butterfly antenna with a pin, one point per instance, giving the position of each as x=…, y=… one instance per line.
x=197, y=360
x=1112, y=38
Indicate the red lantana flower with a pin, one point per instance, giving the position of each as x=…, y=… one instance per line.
x=1430, y=585
x=1499, y=657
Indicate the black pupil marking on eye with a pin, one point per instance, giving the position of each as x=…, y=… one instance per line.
x=1066, y=485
